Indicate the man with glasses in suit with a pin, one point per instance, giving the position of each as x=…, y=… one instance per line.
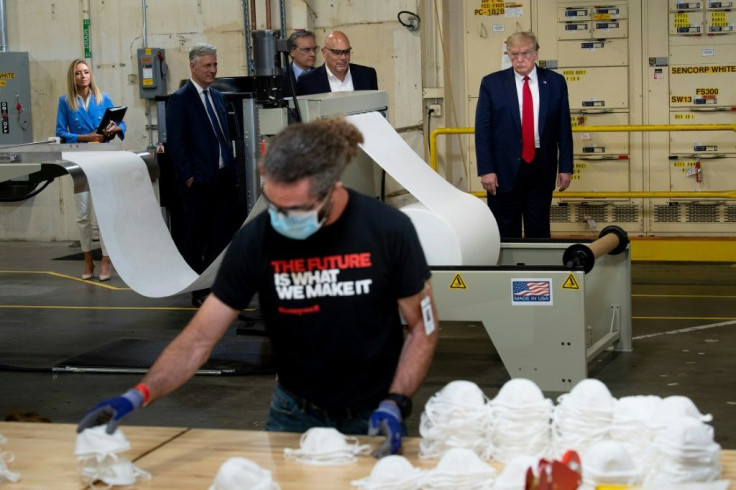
x=337, y=74
x=302, y=46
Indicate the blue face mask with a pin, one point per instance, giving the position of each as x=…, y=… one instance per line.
x=297, y=225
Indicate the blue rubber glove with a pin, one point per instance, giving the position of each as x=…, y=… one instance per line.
x=110, y=411
x=386, y=420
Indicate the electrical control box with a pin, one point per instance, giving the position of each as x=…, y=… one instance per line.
x=152, y=72
x=15, y=99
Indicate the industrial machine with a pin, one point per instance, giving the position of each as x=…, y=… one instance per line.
x=547, y=318
x=549, y=307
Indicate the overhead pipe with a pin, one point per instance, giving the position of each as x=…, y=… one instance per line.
x=3, y=28
x=248, y=29
x=145, y=23
x=282, y=13
x=149, y=115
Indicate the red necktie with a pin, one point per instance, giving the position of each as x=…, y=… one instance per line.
x=527, y=123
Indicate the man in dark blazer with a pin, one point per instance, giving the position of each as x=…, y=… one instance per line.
x=337, y=74
x=302, y=46
x=518, y=189
x=198, y=143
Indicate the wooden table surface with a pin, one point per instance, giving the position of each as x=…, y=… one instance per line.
x=189, y=458
x=44, y=453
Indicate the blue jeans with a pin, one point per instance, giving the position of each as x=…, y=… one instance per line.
x=289, y=413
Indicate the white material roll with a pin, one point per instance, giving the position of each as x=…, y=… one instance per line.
x=454, y=228
x=475, y=239
x=130, y=221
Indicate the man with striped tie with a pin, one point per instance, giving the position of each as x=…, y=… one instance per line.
x=199, y=146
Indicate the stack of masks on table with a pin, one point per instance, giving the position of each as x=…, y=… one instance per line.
x=582, y=417
x=521, y=416
x=241, y=473
x=616, y=439
x=457, y=468
x=456, y=416
x=99, y=459
x=325, y=445
x=5, y=458
x=683, y=452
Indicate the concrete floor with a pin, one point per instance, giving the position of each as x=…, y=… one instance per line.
x=684, y=324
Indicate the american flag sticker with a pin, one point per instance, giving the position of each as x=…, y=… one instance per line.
x=531, y=291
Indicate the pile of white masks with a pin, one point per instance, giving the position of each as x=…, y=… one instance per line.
x=608, y=462
x=98, y=458
x=582, y=417
x=393, y=472
x=5, y=458
x=634, y=423
x=241, y=473
x=325, y=445
x=683, y=452
x=460, y=468
x=521, y=421
x=513, y=476
x=457, y=416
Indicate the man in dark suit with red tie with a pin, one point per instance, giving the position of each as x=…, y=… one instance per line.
x=337, y=74
x=198, y=143
x=523, y=140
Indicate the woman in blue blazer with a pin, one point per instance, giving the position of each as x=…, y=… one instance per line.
x=79, y=114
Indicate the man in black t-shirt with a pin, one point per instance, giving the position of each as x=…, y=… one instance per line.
x=332, y=269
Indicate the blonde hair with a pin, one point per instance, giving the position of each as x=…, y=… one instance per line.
x=523, y=37
x=71, y=86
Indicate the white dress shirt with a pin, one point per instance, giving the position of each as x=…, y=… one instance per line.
x=337, y=85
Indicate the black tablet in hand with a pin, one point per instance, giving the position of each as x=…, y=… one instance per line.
x=112, y=114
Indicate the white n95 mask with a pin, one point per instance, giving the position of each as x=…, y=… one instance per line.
x=98, y=458
x=676, y=407
x=241, y=473
x=112, y=471
x=589, y=394
x=519, y=392
x=460, y=468
x=609, y=462
x=325, y=445
x=95, y=441
x=392, y=472
x=5, y=473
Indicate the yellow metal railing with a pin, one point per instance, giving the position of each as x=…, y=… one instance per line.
x=731, y=194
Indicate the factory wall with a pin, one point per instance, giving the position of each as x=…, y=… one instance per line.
x=628, y=63
x=53, y=34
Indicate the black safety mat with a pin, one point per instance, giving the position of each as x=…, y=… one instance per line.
x=96, y=255
x=231, y=356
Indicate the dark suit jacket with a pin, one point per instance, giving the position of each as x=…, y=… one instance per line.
x=316, y=82
x=498, y=127
x=191, y=141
